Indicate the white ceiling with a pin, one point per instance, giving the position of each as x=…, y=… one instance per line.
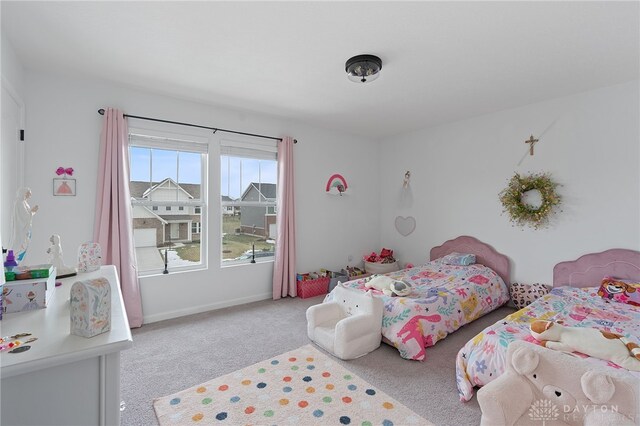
x=442, y=61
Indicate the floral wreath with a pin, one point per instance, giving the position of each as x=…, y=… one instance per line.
x=522, y=214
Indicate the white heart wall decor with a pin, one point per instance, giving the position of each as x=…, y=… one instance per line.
x=405, y=225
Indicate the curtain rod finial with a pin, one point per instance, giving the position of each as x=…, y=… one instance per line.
x=101, y=111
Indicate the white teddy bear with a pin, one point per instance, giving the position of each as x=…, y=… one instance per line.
x=388, y=286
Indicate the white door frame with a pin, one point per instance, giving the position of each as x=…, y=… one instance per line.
x=6, y=205
x=18, y=100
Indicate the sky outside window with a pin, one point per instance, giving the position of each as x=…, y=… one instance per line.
x=237, y=173
x=165, y=165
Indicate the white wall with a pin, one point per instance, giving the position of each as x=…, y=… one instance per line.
x=589, y=142
x=12, y=69
x=65, y=129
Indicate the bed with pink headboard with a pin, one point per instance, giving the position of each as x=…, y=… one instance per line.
x=443, y=297
x=485, y=254
x=574, y=300
x=588, y=270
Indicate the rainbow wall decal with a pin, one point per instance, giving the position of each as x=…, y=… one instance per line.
x=338, y=182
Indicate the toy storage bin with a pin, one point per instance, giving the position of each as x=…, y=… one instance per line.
x=381, y=268
x=313, y=287
x=337, y=277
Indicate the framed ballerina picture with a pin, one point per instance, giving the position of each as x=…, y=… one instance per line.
x=64, y=187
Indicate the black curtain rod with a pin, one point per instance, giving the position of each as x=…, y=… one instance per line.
x=215, y=129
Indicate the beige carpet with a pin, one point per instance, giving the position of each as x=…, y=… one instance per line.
x=173, y=355
x=302, y=386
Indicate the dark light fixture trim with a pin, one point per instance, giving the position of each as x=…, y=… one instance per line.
x=363, y=68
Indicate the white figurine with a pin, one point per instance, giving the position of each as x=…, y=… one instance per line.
x=55, y=258
x=22, y=217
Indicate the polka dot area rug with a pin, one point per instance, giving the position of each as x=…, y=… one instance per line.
x=301, y=387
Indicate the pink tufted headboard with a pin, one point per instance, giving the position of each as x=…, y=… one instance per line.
x=485, y=254
x=588, y=270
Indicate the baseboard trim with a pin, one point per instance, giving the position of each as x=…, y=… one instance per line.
x=147, y=319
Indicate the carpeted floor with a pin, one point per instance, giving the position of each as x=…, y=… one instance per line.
x=172, y=355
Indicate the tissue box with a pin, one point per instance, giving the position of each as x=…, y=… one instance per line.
x=28, y=295
x=90, y=307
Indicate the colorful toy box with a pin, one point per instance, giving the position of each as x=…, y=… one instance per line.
x=90, y=307
x=28, y=295
x=312, y=284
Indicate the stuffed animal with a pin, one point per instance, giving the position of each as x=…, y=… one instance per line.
x=542, y=385
x=388, y=286
x=590, y=341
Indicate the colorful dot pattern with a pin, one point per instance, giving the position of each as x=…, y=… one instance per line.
x=303, y=386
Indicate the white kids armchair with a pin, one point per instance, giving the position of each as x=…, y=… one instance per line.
x=350, y=326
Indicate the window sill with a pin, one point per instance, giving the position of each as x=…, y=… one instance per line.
x=232, y=263
x=158, y=272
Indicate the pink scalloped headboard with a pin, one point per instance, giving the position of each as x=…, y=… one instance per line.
x=588, y=270
x=485, y=254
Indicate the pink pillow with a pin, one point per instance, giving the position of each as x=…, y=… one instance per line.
x=624, y=291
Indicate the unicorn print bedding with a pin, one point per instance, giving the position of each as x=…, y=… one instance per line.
x=482, y=359
x=443, y=298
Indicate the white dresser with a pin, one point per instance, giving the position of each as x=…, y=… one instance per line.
x=64, y=379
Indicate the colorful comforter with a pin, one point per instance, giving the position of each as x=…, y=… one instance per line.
x=443, y=299
x=482, y=359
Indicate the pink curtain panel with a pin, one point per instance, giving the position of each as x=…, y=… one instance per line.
x=113, y=228
x=284, y=274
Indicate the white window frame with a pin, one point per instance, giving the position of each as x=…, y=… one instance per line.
x=185, y=142
x=197, y=226
x=261, y=149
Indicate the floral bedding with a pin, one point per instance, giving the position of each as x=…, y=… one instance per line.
x=443, y=299
x=482, y=359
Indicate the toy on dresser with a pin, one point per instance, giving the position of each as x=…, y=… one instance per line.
x=55, y=258
x=90, y=307
x=89, y=257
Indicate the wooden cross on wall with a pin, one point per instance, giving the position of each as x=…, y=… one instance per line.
x=531, y=141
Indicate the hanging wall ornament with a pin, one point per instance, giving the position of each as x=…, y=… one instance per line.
x=336, y=184
x=405, y=225
x=522, y=213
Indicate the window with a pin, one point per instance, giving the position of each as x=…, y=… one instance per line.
x=195, y=228
x=248, y=179
x=167, y=171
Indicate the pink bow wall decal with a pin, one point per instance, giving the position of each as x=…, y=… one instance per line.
x=63, y=171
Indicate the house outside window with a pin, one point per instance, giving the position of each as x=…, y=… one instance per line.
x=248, y=199
x=168, y=185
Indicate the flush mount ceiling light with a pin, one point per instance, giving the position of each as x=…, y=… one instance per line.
x=363, y=68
